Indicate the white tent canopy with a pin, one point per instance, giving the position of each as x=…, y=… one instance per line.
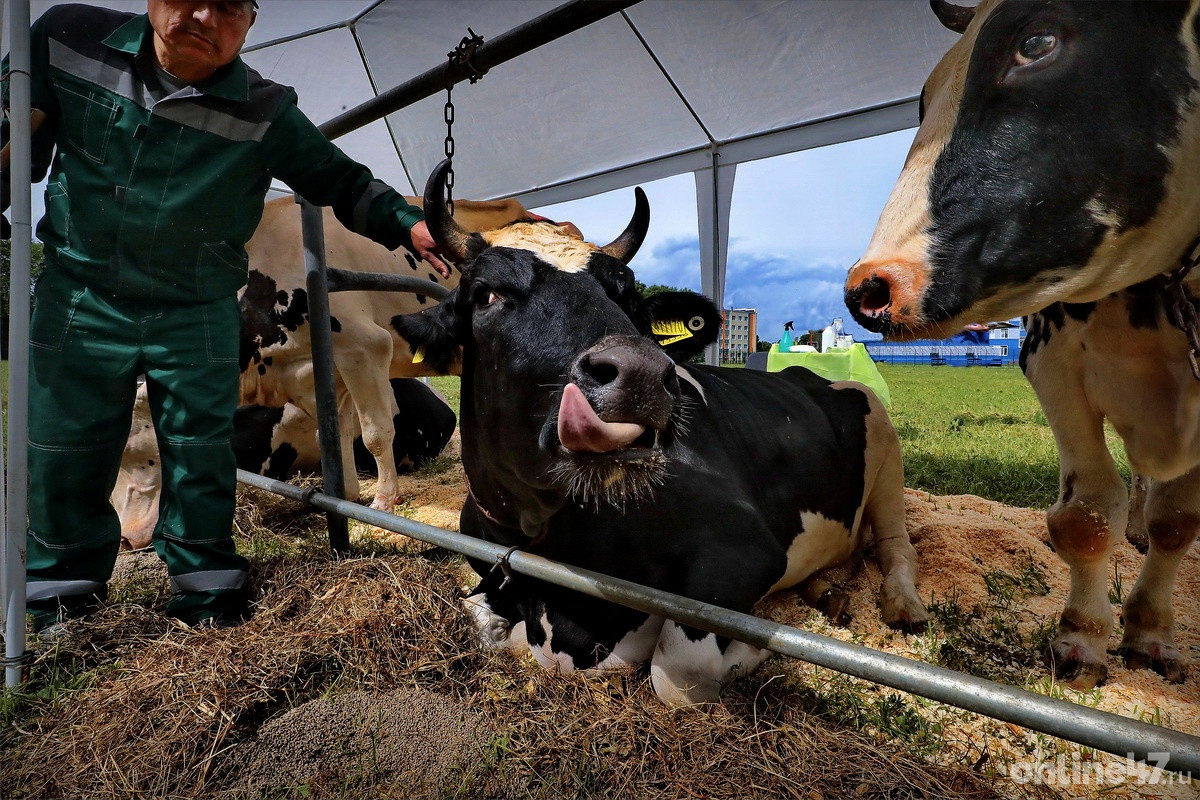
x=663, y=88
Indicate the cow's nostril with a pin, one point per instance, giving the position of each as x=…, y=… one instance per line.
x=602, y=372
x=876, y=295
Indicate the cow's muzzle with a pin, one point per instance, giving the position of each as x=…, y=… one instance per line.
x=619, y=394
x=888, y=298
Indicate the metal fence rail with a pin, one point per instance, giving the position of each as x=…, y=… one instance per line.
x=1166, y=748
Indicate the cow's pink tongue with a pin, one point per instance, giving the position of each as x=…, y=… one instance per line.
x=580, y=429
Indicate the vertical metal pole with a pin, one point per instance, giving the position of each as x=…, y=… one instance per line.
x=332, y=468
x=714, y=195
x=17, y=463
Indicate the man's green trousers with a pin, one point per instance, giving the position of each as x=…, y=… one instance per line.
x=86, y=351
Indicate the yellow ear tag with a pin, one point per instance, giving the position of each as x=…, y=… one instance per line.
x=673, y=330
x=419, y=355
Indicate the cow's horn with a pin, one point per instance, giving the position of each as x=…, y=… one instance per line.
x=625, y=246
x=450, y=236
x=956, y=18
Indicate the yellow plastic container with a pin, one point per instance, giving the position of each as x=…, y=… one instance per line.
x=840, y=364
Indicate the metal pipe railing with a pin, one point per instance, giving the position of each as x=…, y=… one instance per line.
x=1166, y=748
x=343, y=280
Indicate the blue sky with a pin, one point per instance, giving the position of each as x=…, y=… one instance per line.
x=797, y=223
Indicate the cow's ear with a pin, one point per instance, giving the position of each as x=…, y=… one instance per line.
x=433, y=334
x=683, y=323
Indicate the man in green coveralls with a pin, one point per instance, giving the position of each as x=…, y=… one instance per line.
x=160, y=144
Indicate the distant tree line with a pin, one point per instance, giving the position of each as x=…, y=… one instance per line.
x=5, y=293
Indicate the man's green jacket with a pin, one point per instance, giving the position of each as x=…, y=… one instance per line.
x=153, y=193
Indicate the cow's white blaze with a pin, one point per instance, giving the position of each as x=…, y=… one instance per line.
x=555, y=244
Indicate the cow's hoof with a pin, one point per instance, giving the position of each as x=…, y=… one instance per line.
x=834, y=603
x=383, y=504
x=900, y=607
x=1162, y=658
x=909, y=626
x=494, y=630
x=1076, y=665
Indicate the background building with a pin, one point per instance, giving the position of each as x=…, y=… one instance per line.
x=739, y=332
x=995, y=345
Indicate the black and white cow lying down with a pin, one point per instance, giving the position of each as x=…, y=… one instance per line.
x=1056, y=173
x=585, y=443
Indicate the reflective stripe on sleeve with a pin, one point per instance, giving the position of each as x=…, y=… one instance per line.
x=373, y=190
x=210, y=581
x=44, y=590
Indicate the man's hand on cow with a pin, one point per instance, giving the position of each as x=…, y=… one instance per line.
x=427, y=248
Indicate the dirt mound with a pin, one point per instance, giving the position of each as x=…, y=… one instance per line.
x=413, y=742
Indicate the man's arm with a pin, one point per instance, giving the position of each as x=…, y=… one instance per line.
x=42, y=98
x=36, y=118
x=301, y=156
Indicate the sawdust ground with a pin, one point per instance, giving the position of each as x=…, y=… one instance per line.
x=959, y=539
x=414, y=742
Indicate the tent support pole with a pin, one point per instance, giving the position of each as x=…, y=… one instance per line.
x=16, y=500
x=714, y=197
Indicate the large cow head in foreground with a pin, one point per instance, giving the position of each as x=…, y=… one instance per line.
x=585, y=441
x=563, y=316
x=1056, y=160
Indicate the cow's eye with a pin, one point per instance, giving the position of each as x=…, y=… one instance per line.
x=485, y=297
x=1035, y=46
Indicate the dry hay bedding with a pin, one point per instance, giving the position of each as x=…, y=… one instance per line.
x=360, y=678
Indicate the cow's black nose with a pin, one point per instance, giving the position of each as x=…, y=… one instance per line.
x=629, y=379
x=602, y=368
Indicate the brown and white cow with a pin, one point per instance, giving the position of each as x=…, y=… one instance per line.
x=278, y=442
x=1056, y=173
x=276, y=353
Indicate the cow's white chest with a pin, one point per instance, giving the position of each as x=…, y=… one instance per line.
x=825, y=542
x=633, y=648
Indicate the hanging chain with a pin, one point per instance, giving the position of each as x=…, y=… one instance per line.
x=459, y=57
x=1183, y=311
x=448, y=115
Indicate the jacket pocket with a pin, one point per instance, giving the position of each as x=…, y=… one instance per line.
x=53, y=312
x=222, y=331
x=88, y=118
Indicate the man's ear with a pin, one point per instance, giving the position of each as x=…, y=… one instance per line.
x=683, y=323
x=433, y=334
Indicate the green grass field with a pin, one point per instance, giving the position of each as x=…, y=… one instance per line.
x=964, y=430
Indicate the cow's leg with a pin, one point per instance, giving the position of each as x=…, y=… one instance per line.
x=1135, y=531
x=1084, y=524
x=1172, y=519
x=690, y=666
x=883, y=511
x=364, y=357
x=899, y=604
x=825, y=590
